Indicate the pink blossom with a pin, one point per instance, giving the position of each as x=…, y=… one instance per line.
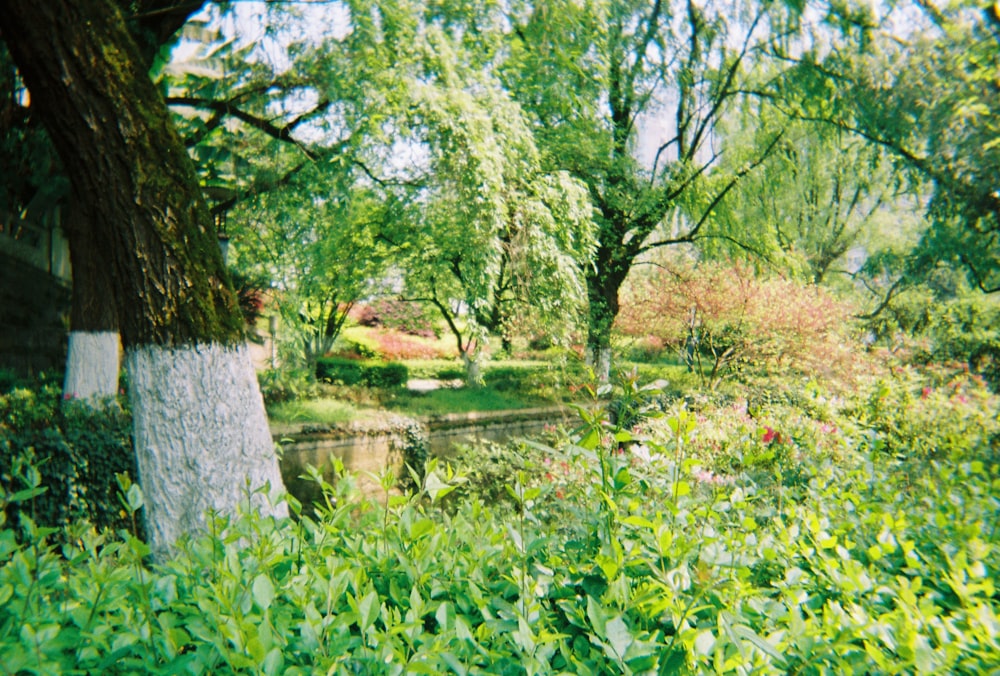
x=708, y=477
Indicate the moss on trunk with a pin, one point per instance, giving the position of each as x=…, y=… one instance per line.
x=139, y=198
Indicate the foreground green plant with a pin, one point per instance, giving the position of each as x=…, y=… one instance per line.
x=622, y=553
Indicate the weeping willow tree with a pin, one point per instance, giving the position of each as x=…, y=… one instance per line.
x=498, y=237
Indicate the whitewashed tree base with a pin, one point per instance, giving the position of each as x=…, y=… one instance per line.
x=600, y=361
x=473, y=371
x=603, y=366
x=92, y=363
x=201, y=437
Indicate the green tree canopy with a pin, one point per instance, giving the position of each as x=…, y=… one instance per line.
x=598, y=78
x=928, y=96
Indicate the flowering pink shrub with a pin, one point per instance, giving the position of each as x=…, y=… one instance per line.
x=727, y=320
x=395, y=346
x=405, y=316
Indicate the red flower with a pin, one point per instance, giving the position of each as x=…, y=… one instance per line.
x=924, y=393
x=770, y=435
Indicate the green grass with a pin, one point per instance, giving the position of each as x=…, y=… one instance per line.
x=328, y=411
x=510, y=385
x=462, y=400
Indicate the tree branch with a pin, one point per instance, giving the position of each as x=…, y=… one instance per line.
x=282, y=133
x=980, y=284
x=228, y=203
x=896, y=287
x=692, y=234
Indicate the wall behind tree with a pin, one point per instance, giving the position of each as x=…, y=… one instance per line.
x=34, y=311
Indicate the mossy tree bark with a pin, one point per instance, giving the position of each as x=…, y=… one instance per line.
x=141, y=208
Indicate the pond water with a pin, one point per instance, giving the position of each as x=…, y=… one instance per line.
x=370, y=449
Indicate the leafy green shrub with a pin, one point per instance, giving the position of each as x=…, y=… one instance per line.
x=9, y=379
x=353, y=372
x=620, y=555
x=68, y=449
x=543, y=381
x=282, y=385
x=489, y=468
x=959, y=328
x=985, y=362
x=644, y=349
x=392, y=374
x=963, y=328
x=517, y=378
x=406, y=316
x=914, y=417
x=357, y=346
x=339, y=370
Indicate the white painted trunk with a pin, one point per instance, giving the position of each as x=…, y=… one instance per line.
x=599, y=359
x=92, y=363
x=201, y=437
x=602, y=365
x=473, y=371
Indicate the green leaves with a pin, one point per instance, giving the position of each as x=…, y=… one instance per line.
x=862, y=563
x=263, y=591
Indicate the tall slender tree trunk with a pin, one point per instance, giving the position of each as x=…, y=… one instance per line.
x=201, y=433
x=603, y=284
x=92, y=357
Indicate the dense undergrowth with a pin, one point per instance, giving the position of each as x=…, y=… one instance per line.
x=798, y=532
x=67, y=447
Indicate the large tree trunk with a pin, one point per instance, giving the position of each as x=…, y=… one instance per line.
x=200, y=426
x=92, y=357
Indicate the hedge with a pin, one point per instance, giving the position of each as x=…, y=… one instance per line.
x=354, y=372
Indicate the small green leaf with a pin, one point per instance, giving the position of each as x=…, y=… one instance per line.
x=134, y=498
x=263, y=591
x=26, y=494
x=619, y=637
x=436, y=488
x=750, y=636
x=445, y=616
x=273, y=662
x=368, y=609
x=704, y=643
x=638, y=522
x=597, y=617
x=524, y=637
